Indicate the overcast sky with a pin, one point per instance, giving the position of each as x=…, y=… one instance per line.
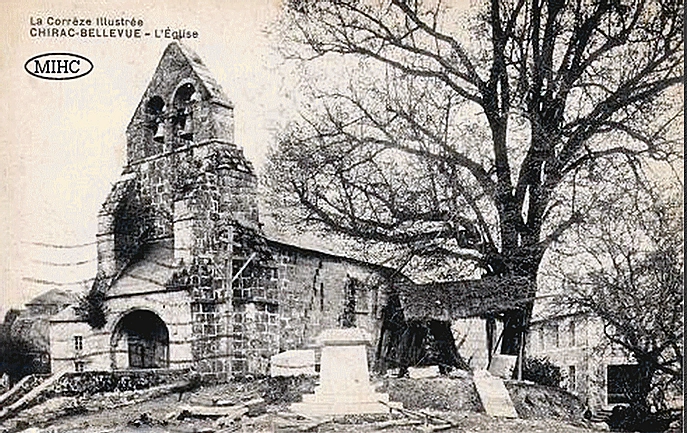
x=62, y=143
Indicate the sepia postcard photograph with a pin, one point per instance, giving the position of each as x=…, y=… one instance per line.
x=341, y=216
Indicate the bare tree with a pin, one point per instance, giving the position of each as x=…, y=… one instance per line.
x=458, y=136
x=631, y=276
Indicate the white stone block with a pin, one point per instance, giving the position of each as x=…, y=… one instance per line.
x=494, y=395
x=423, y=372
x=502, y=366
x=293, y=363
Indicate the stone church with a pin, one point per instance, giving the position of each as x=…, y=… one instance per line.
x=186, y=278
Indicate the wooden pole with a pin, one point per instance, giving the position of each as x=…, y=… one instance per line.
x=521, y=353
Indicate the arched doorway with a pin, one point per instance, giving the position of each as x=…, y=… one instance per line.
x=140, y=340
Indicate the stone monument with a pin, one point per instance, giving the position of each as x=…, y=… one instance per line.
x=344, y=378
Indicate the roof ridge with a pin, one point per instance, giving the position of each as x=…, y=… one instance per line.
x=202, y=72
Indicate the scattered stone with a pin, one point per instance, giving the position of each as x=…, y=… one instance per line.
x=423, y=372
x=458, y=373
x=204, y=401
x=314, y=425
x=233, y=412
x=601, y=426
x=145, y=419
x=256, y=406
x=439, y=427
x=397, y=423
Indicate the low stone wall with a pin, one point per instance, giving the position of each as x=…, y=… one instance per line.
x=96, y=382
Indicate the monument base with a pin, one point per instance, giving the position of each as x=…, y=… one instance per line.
x=320, y=409
x=360, y=401
x=344, y=378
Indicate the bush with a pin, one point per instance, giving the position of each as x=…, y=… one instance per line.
x=541, y=371
x=639, y=419
x=18, y=358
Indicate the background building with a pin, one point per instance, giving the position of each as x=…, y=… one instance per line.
x=593, y=369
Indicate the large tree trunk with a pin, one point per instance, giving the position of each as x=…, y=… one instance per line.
x=409, y=343
x=516, y=320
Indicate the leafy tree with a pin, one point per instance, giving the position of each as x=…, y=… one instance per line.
x=458, y=135
x=18, y=357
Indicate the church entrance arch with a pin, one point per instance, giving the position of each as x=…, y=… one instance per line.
x=140, y=340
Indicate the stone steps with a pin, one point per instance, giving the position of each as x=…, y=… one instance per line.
x=375, y=397
x=494, y=395
x=600, y=415
x=340, y=408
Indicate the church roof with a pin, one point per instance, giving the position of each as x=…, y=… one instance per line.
x=179, y=62
x=460, y=299
x=201, y=71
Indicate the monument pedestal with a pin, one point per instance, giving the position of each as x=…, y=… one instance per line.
x=344, y=378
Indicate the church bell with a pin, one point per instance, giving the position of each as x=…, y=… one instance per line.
x=159, y=133
x=186, y=131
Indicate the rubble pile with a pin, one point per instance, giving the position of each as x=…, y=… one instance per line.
x=430, y=404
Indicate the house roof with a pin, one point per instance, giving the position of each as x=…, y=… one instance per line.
x=460, y=299
x=54, y=297
x=282, y=245
x=68, y=314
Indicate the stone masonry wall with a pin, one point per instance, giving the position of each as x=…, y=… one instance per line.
x=182, y=114
x=577, y=344
x=287, y=302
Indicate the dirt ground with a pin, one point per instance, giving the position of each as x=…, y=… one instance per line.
x=452, y=408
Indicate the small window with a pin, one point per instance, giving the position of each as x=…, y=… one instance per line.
x=79, y=366
x=542, y=344
x=573, y=340
x=78, y=343
x=556, y=337
x=572, y=378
